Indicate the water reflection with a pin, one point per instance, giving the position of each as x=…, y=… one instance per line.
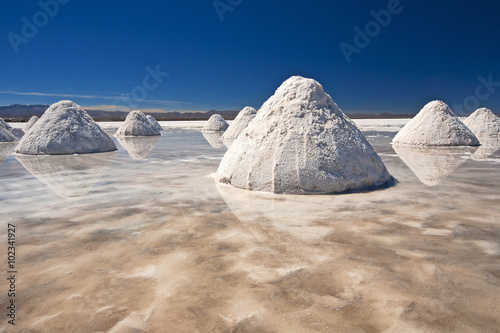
x=5, y=149
x=432, y=165
x=138, y=147
x=214, y=138
x=68, y=176
x=489, y=146
x=294, y=214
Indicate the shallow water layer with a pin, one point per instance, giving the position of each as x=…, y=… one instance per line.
x=144, y=240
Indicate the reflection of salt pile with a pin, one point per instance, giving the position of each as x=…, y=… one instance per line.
x=432, y=165
x=65, y=128
x=436, y=125
x=300, y=142
x=5, y=125
x=292, y=214
x=216, y=123
x=138, y=147
x=153, y=121
x=137, y=124
x=5, y=150
x=489, y=146
x=6, y=136
x=214, y=138
x=68, y=176
x=30, y=123
x=241, y=121
x=483, y=122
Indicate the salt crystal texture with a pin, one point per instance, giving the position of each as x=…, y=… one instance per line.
x=4, y=124
x=483, y=122
x=241, y=121
x=300, y=142
x=137, y=124
x=154, y=122
x=65, y=128
x=30, y=123
x=6, y=136
x=436, y=125
x=216, y=123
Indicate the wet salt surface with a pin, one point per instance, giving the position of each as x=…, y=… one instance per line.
x=114, y=243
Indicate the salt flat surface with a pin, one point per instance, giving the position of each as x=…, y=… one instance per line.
x=143, y=244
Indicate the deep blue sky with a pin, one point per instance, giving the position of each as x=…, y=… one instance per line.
x=100, y=49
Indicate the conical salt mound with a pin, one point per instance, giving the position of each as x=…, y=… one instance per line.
x=153, y=121
x=30, y=123
x=6, y=136
x=137, y=124
x=436, y=125
x=300, y=142
x=65, y=128
x=5, y=125
x=483, y=122
x=241, y=121
x=216, y=123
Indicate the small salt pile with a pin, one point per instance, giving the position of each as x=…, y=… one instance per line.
x=216, y=123
x=300, y=142
x=483, y=123
x=241, y=121
x=30, y=123
x=137, y=124
x=5, y=125
x=6, y=136
x=435, y=125
x=65, y=128
x=154, y=122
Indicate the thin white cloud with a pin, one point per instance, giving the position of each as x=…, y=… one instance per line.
x=122, y=97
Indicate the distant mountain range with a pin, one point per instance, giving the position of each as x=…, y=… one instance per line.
x=20, y=113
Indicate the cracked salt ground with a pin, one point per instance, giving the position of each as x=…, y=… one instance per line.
x=151, y=246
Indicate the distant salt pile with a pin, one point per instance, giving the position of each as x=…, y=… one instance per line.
x=436, y=125
x=216, y=123
x=5, y=125
x=154, y=122
x=6, y=136
x=483, y=123
x=300, y=142
x=241, y=121
x=30, y=123
x=65, y=128
x=137, y=124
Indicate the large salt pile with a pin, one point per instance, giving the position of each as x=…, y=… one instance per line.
x=483, y=122
x=154, y=122
x=216, y=123
x=30, y=123
x=241, y=121
x=6, y=136
x=137, y=124
x=65, y=128
x=436, y=125
x=5, y=125
x=300, y=142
